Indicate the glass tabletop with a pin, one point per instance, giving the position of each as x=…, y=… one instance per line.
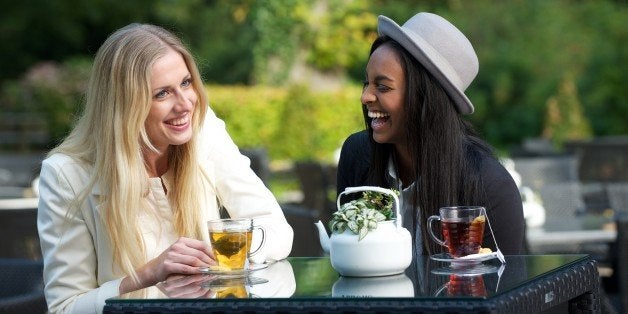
x=314, y=277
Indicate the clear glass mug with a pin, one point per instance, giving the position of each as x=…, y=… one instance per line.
x=231, y=240
x=462, y=228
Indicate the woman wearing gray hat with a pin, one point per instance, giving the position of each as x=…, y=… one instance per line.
x=416, y=139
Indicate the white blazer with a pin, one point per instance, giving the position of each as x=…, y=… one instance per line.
x=78, y=267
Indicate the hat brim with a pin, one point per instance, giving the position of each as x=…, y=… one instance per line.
x=429, y=58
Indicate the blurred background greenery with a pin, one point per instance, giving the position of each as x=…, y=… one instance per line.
x=286, y=75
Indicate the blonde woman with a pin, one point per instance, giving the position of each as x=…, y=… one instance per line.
x=124, y=199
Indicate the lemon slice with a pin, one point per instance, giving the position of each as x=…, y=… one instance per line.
x=479, y=219
x=485, y=250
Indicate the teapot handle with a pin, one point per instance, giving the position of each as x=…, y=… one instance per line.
x=354, y=189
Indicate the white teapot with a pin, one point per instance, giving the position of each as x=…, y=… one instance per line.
x=385, y=250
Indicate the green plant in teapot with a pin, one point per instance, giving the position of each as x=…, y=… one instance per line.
x=363, y=214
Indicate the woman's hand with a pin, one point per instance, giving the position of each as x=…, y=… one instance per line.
x=184, y=257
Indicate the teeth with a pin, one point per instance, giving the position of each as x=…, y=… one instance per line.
x=377, y=114
x=179, y=121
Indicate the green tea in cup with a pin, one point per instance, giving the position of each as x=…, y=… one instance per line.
x=231, y=242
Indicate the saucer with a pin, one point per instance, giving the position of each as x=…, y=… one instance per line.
x=225, y=282
x=214, y=270
x=465, y=260
x=470, y=271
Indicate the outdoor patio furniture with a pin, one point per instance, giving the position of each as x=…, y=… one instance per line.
x=618, y=196
x=18, y=228
x=302, y=220
x=22, y=288
x=318, y=184
x=259, y=162
x=535, y=172
x=602, y=159
x=562, y=202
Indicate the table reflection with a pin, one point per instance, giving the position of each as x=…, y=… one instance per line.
x=306, y=278
x=276, y=281
x=465, y=286
x=480, y=280
x=311, y=283
x=385, y=286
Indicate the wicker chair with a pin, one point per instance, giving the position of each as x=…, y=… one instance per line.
x=22, y=288
x=536, y=172
x=617, y=193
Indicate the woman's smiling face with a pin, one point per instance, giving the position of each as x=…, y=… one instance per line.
x=169, y=121
x=383, y=96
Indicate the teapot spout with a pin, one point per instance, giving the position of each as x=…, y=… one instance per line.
x=323, y=237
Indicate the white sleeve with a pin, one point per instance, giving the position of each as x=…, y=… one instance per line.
x=70, y=262
x=241, y=191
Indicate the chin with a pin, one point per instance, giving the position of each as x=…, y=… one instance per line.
x=181, y=141
x=381, y=139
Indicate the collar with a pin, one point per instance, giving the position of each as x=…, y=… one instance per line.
x=166, y=178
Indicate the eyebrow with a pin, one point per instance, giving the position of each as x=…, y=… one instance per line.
x=382, y=77
x=186, y=77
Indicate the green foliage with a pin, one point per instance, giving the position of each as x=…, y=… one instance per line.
x=527, y=49
x=362, y=215
x=38, y=30
x=341, y=37
x=292, y=123
x=276, y=49
x=565, y=120
x=602, y=84
x=220, y=33
x=251, y=114
x=315, y=124
x=53, y=91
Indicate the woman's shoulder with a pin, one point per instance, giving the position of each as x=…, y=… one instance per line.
x=61, y=162
x=492, y=169
x=499, y=185
x=357, y=140
x=356, y=146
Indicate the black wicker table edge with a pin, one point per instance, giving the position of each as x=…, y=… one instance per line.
x=578, y=285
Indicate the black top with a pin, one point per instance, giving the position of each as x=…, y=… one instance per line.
x=503, y=201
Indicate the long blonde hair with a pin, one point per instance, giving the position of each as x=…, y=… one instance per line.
x=110, y=135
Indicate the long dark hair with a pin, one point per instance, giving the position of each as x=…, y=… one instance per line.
x=446, y=151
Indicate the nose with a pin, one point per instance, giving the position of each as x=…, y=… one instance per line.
x=367, y=96
x=185, y=99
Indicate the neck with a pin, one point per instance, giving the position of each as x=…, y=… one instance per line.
x=405, y=165
x=156, y=163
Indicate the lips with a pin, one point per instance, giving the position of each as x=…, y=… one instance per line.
x=378, y=119
x=179, y=121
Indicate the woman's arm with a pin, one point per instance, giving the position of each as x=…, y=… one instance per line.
x=241, y=191
x=70, y=263
x=78, y=268
x=505, y=209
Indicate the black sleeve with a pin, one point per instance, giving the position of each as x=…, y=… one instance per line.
x=505, y=209
x=355, y=158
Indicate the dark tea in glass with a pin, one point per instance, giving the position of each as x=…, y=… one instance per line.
x=463, y=238
x=466, y=286
x=462, y=228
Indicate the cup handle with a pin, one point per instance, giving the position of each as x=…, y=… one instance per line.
x=429, y=228
x=253, y=252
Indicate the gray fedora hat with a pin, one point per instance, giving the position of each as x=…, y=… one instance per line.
x=441, y=48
